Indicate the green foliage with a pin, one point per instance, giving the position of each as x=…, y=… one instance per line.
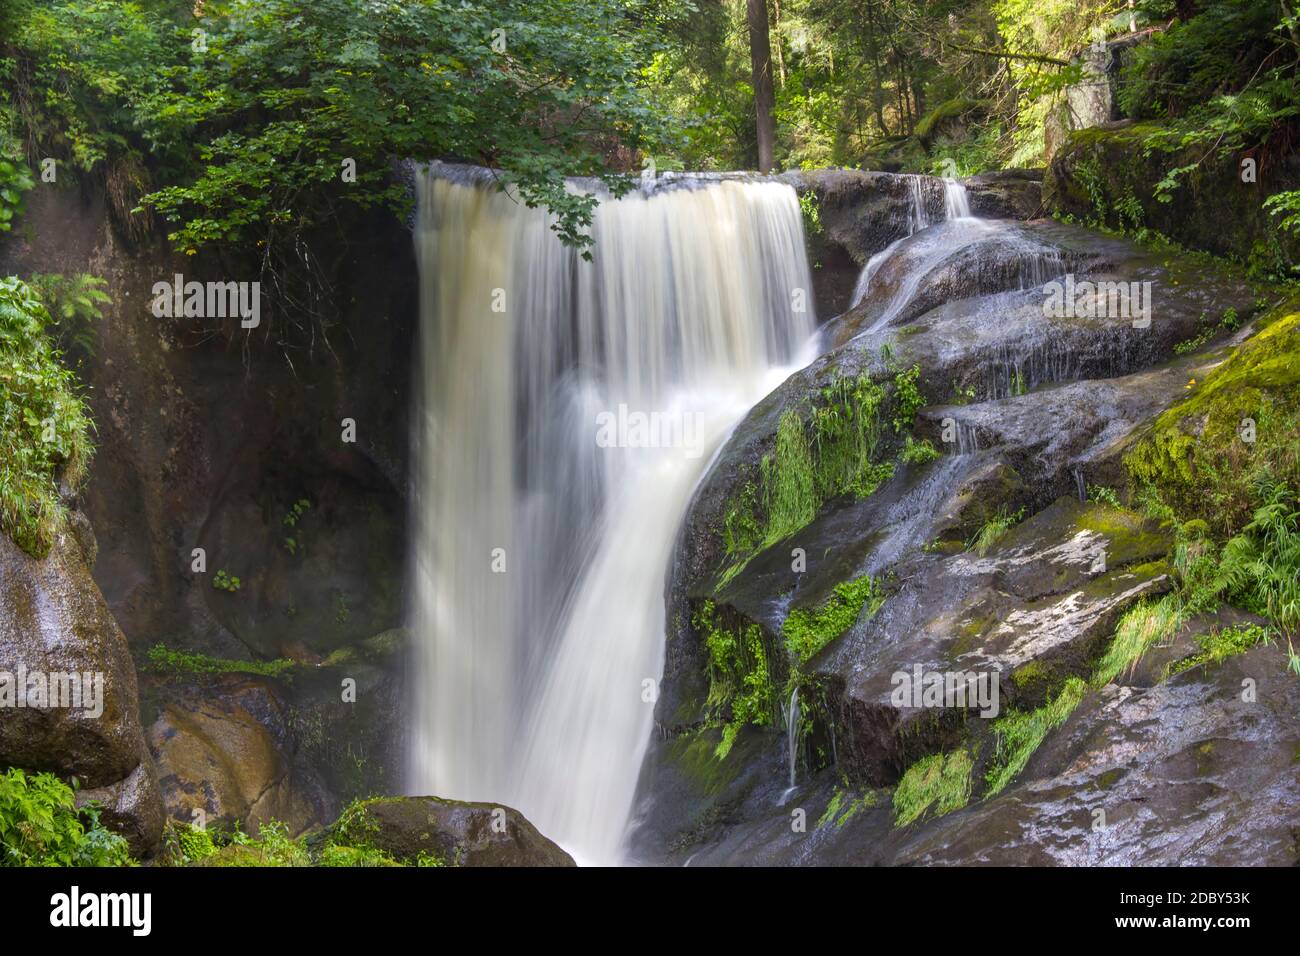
x=917, y=452
x=811, y=212
x=833, y=453
x=14, y=181
x=940, y=781
x=1260, y=568
x=993, y=530
x=224, y=581
x=74, y=306
x=44, y=424
x=1019, y=733
x=1218, y=645
x=40, y=825
x=274, y=845
x=1230, y=322
x=807, y=631
x=1141, y=627
x=183, y=844
x=908, y=399
x=293, y=543
x=740, y=682
x=249, y=125
x=165, y=660
x=1194, y=462
x=1105, y=496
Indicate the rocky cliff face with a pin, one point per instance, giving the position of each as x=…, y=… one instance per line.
x=772, y=671
x=232, y=442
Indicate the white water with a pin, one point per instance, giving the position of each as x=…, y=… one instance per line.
x=956, y=206
x=531, y=683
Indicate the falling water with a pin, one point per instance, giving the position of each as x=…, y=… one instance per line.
x=956, y=206
x=568, y=409
x=792, y=731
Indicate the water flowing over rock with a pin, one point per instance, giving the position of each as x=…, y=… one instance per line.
x=584, y=399
x=1032, y=407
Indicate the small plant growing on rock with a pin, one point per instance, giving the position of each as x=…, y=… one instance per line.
x=224, y=581
x=993, y=531
x=292, y=544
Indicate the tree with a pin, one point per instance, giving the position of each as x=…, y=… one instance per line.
x=760, y=58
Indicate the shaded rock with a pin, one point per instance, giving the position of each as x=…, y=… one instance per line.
x=1006, y=194
x=455, y=832
x=1212, y=209
x=224, y=746
x=131, y=807
x=53, y=621
x=54, y=624
x=172, y=474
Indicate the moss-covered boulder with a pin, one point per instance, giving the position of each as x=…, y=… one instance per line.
x=451, y=832
x=1238, y=424
x=1106, y=174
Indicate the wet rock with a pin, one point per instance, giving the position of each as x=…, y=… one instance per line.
x=1006, y=194
x=1048, y=595
x=225, y=747
x=454, y=832
x=54, y=622
x=1186, y=773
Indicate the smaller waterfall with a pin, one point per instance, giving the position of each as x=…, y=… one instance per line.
x=1080, y=485
x=956, y=206
x=792, y=739
x=792, y=730
x=956, y=201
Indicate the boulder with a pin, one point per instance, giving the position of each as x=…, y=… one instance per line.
x=225, y=746
x=454, y=832
x=54, y=623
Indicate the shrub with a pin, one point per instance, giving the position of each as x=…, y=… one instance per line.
x=44, y=424
x=40, y=825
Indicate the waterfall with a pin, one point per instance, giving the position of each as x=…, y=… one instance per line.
x=568, y=409
x=956, y=205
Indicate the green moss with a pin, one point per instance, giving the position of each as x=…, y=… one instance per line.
x=807, y=631
x=741, y=690
x=948, y=110
x=165, y=660
x=1019, y=733
x=829, y=450
x=941, y=782
x=1195, y=457
x=1218, y=645
x=1032, y=672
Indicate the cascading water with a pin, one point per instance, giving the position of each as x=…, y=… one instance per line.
x=569, y=408
x=956, y=206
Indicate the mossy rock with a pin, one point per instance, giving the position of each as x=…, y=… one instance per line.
x=453, y=832
x=1196, y=454
x=1104, y=173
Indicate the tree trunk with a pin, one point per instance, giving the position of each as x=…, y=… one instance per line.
x=760, y=58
